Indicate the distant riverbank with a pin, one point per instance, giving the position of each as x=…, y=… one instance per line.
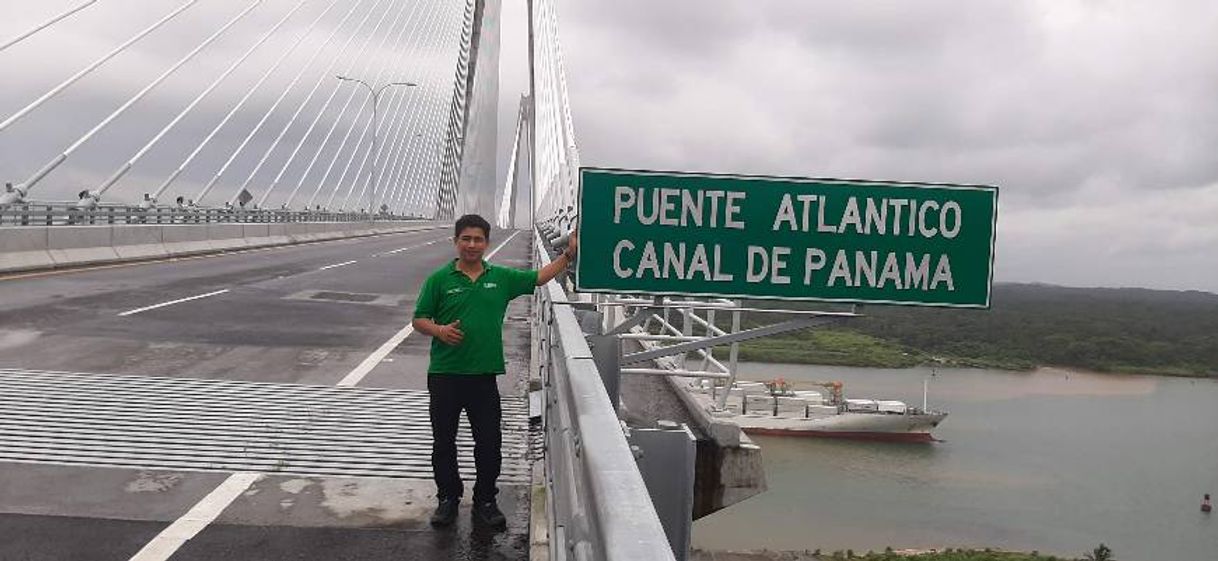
x=1125, y=331
x=842, y=347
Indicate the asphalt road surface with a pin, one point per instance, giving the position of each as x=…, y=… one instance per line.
x=324, y=314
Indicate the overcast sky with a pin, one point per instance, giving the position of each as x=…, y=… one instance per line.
x=1097, y=120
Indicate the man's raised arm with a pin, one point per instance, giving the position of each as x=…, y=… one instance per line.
x=560, y=263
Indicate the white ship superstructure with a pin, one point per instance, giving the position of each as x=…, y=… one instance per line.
x=774, y=408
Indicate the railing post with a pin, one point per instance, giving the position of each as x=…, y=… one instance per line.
x=607, y=353
x=687, y=330
x=667, y=457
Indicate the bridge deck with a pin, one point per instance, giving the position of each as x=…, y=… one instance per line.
x=95, y=466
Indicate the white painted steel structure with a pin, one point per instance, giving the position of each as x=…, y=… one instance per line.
x=439, y=159
x=255, y=118
x=46, y=24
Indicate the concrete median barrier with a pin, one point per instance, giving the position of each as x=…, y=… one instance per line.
x=24, y=247
x=277, y=234
x=81, y=245
x=138, y=241
x=186, y=239
x=32, y=248
x=226, y=236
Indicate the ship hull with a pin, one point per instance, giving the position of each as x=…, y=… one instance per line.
x=846, y=435
x=857, y=426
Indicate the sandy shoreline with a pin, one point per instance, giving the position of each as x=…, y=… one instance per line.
x=767, y=555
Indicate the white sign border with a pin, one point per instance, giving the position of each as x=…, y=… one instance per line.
x=989, y=287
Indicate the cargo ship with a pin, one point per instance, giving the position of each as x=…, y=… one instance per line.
x=775, y=408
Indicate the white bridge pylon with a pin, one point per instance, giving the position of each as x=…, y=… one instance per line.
x=238, y=105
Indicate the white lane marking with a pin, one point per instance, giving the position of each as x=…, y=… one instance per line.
x=505, y=242
x=190, y=524
x=170, y=303
x=401, y=249
x=375, y=358
x=343, y=264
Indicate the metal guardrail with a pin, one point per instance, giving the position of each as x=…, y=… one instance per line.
x=597, y=503
x=68, y=214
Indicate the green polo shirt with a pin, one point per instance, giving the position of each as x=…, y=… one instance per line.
x=448, y=295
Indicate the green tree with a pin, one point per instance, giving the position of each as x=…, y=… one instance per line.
x=1101, y=553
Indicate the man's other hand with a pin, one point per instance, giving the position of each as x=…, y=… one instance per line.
x=450, y=334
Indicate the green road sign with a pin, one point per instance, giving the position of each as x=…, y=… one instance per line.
x=734, y=236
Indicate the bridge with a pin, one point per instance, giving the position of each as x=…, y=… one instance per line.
x=214, y=225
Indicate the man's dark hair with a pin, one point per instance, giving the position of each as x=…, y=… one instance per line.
x=472, y=221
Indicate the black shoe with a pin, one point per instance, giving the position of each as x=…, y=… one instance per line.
x=487, y=514
x=446, y=512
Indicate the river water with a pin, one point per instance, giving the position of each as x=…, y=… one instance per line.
x=1056, y=461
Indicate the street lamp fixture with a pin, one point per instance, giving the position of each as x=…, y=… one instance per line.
x=376, y=96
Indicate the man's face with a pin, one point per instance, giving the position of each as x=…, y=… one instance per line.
x=471, y=244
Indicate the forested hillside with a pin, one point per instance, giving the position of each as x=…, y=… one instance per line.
x=1111, y=330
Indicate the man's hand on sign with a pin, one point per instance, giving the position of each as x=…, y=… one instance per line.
x=573, y=244
x=450, y=334
x=560, y=263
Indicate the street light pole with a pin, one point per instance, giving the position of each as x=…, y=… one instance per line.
x=376, y=95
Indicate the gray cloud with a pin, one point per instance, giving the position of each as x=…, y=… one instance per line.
x=1096, y=119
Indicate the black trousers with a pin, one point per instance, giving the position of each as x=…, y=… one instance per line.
x=478, y=396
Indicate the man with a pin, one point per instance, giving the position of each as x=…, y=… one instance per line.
x=461, y=306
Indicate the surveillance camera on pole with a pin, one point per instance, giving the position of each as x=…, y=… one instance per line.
x=149, y=202
x=12, y=195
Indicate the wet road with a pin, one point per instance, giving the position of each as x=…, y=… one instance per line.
x=322, y=314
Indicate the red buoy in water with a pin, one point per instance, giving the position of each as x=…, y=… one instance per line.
x=1205, y=504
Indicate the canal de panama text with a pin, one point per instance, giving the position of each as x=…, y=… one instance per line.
x=799, y=213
